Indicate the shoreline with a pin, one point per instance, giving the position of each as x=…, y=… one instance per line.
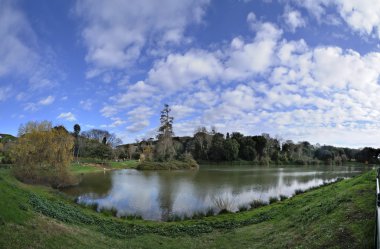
x=321, y=213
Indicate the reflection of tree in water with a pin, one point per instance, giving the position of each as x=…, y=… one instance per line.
x=168, y=192
x=169, y=184
x=210, y=182
x=98, y=184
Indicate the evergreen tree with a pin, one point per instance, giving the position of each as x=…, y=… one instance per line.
x=76, y=136
x=165, y=149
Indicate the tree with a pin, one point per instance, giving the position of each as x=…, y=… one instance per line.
x=368, y=155
x=231, y=149
x=165, y=149
x=76, y=135
x=260, y=145
x=247, y=149
x=217, y=147
x=102, y=136
x=202, y=142
x=76, y=130
x=42, y=154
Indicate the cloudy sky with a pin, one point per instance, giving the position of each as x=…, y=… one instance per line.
x=299, y=69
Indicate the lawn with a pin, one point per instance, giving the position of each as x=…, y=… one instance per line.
x=90, y=166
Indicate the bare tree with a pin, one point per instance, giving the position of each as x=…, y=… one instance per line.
x=102, y=136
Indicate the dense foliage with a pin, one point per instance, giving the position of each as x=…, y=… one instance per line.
x=164, y=147
x=212, y=146
x=42, y=154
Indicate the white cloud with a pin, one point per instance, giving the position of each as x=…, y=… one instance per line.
x=138, y=93
x=241, y=97
x=267, y=84
x=34, y=106
x=181, y=71
x=315, y=7
x=203, y=97
x=361, y=16
x=5, y=93
x=138, y=126
x=108, y=111
x=31, y=107
x=16, y=55
x=47, y=101
x=115, y=32
x=181, y=111
x=293, y=19
x=21, y=52
x=248, y=59
x=67, y=116
x=243, y=60
x=116, y=123
x=86, y=104
x=138, y=118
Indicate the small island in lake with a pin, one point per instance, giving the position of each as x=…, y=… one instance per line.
x=161, y=154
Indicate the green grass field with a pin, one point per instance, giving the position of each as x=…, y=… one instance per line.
x=341, y=215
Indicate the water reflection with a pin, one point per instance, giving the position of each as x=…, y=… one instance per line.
x=156, y=195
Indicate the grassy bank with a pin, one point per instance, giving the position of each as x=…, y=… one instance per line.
x=169, y=165
x=340, y=215
x=89, y=166
x=282, y=164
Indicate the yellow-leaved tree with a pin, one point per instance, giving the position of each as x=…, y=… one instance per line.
x=42, y=154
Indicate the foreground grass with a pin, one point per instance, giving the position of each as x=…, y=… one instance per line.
x=340, y=215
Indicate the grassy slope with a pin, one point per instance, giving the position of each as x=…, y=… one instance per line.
x=336, y=216
x=92, y=167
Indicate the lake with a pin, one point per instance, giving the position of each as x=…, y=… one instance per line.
x=159, y=195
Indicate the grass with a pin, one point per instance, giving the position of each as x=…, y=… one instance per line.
x=88, y=167
x=340, y=215
x=169, y=165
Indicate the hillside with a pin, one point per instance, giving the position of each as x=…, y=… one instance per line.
x=340, y=215
x=6, y=138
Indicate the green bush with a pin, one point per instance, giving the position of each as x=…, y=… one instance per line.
x=273, y=200
x=257, y=203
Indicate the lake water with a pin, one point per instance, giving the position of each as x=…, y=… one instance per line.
x=158, y=195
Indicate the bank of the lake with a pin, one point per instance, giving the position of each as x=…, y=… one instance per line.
x=168, y=165
x=340, y=215
x=90, y=166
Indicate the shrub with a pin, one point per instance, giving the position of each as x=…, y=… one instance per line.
x=283, y=197
x=273, y=200
x=258, y=203
x=298, y=191
x=42, y=155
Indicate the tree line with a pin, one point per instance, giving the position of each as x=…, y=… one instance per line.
x=42, y=152
x=212, y=146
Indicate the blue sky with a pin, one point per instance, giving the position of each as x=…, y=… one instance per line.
x=301, y=70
